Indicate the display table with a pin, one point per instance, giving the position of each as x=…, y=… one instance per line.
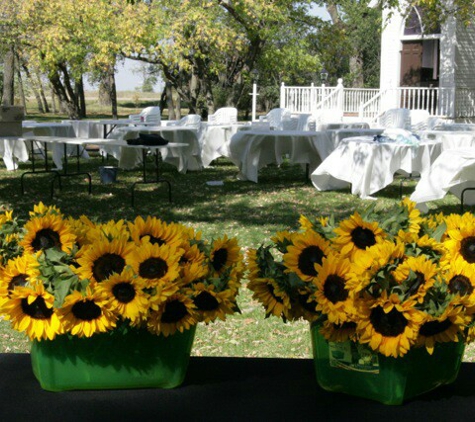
x=251, y=150
x=225, y=389
x=453, y=171
x=370, y=166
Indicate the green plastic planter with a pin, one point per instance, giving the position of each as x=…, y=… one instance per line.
x=136, y=359
x=355, y=369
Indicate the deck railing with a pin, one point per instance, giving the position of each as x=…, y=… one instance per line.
x=369, y=104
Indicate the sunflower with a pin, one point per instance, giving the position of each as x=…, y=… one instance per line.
x=390, y=326
x=160, y=294
x=86, y=314
x=355, y=235
x=212, y=304
x=224, y=254
x=48, y=231
x=81, y=228
x=192, y=264
x=126, y=295
x=416, y=274
x=446, y=328
x=156, y=264
x=108, y=231
x=19, y=272
x=103, y=258
x=303, y=306
x=309, y=248
x=178, y=313
x=461, y=241
x=332, y=297
x=338, y=332
x=460, y=279
x=368, y=266
x=30, y=309
x=268, y=292
x=414, y=216
x=155, y=231
x=282, y=240
x=40, y=210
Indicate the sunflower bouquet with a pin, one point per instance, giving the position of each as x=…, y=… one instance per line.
x=79, y=278
x=391, y=281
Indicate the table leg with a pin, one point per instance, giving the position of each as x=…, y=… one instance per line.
x=157, y=179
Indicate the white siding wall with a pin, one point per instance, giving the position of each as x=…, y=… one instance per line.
x=391, y=51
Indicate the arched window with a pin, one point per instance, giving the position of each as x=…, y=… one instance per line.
x=414, y=24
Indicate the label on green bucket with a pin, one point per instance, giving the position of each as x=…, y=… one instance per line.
x=353, y=356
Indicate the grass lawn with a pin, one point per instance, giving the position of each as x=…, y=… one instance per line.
x=252, y=212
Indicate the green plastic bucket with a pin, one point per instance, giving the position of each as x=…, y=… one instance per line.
x=355, y=369
x=136, y=359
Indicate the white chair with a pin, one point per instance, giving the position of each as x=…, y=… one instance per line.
x=148, y=115
x=420, y=120
x=396, y=118
x=192, y=120
x=331, y=115
x=224, y=116
x=276, y=118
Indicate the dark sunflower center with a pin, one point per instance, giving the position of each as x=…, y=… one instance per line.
x=17, y=281
x=432, y=328
x=86, y=310
x=154, y=240
x=206, y=302
x=389, y=324
x=308, y=258
x=461, y=285
x=37, y=309
x=124, y=292
x=304, y=303
x=363, y=238
x=348, y=325
x=46, y=239
x=334, y=289
x=106, y=265
x=219, y=259
x=174, y=311
x=418, y=281
x=153, y=268
x=467, y=249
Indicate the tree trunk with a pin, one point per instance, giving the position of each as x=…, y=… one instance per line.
x=65, y=95
x=42, y=93
x=21, y=91
x=81, y=101
x=9, y=78
x=34, y=87
x=53, y=100
x=356, y=69
x=108, y=91
x=170, y=103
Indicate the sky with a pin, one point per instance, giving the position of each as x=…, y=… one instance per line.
x=128, y=80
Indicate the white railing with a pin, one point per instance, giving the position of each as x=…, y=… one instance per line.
x=369, y=104
x=299, y=99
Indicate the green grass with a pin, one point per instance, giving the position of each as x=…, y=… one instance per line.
x=252, y=212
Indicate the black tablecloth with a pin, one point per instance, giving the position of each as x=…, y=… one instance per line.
x=225, y=389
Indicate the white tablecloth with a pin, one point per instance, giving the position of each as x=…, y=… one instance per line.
x=252, y=150
x=453, y=171
x=12, y=151
x=61, y=130
x=370, y=166
x=450, y=138
x=216, y=140
x=184, y=159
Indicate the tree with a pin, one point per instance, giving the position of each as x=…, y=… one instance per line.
x=206, y=48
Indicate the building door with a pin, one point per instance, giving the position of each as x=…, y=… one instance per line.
x=411, y=63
